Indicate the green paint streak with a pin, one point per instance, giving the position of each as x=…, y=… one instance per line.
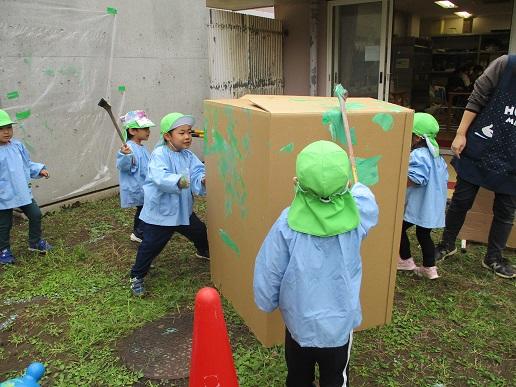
x=385, y=121
x=25, y=137
x=333, y=119
x=27, y=61
x=230, y=153
x=49, y=72
x=300, y=100
x=23, y=115
x=228, y=241
x=111, y=10
x=355, y=106
x=51, y=130
x=287, y=148
x=339, y=91
x=367, y=170
x=69, y=71
x=13, y=95
x=121, y=88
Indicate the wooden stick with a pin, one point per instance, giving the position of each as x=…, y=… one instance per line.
x=105, y=105
x=342, y=95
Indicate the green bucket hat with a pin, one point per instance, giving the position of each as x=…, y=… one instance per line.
x=172, y=121
x=323, y=205
x=5, y=119
x=426, y=126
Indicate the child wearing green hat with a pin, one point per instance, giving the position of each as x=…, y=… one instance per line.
x=174, y=175
x=16, y=170
x=309, y=265
x=132, y=161
x=427, y=191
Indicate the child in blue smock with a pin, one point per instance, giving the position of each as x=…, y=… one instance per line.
x=16, y=170
x=132, y=161
x=174, y=175
x=310, y=266
x=427, y=191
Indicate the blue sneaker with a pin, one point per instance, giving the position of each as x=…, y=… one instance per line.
x=137, y=286
x=41, y=247
x=6, y=257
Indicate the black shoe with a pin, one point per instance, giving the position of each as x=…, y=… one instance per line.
x=500, y=266
x=443, y=251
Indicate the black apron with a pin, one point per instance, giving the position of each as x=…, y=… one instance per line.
x=489, y=158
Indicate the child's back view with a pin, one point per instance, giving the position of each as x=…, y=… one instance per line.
x=310, y=266
x=427, y=191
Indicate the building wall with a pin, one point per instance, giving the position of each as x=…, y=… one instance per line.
x=155, y=49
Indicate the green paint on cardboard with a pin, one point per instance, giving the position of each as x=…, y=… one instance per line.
x=49, y=72
x=121, y=88
x=228, y=241
x=13, y=95
x=287, y=148
x=367, y=170
x=23, y=115
x=301, y=100
x=333, y=119
x=355, y=106
x=385, y=120
x=229, y=151
x=111, y=10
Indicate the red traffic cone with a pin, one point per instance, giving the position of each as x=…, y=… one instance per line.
x=212, y=360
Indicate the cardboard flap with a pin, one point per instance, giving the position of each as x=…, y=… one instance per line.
x=291, y=104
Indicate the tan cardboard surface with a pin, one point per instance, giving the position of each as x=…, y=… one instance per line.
x=250, y=150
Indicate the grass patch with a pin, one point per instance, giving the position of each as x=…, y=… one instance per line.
x=69, y=308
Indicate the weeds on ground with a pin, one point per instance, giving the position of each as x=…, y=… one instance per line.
x=70, y=307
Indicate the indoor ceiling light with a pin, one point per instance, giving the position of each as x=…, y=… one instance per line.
x=463, y=14
x=446, y=4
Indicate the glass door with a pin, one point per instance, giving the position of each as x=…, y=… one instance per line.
x=359, y=34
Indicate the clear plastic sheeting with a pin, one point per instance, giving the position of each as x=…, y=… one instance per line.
x=55, y=65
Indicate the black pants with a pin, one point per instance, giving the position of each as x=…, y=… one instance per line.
x=425, y=241
x=156, y=237
x=32, y=212
x=504, y=207
x=333, y=364
x=138, y=223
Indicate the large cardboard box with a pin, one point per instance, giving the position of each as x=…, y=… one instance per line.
x=479, y=218
x=251, y=146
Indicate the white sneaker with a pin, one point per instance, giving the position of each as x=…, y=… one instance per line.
x=134, y=238
x=406, y=264
x=427, y=272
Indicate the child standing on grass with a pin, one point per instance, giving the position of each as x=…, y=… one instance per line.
x=16, y=170
x=425, y=202
x=310, y=266
x=132, y=161
x=175, y=174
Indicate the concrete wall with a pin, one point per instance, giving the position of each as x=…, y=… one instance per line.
x=159, y=53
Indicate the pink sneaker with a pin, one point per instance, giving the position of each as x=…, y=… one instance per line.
x=427, y=272
x=406, y=264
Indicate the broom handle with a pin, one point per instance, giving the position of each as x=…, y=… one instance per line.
x=116, y=125
x=342, y=101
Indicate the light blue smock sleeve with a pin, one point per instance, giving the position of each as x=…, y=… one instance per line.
x=271, y=262
x=34, y=168
x=197, y=173
x=419, y=166
x=125, y=163
x=160, y=174
x=367, y=207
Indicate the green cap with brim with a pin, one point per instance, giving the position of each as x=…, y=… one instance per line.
x=426, y=126
x=5, y=119
x=323, y=205
x=172, y=121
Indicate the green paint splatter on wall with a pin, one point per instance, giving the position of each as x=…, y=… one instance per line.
x=230, y=152
x=367, y=170
x=49, y=72
x=228, y=241
x=51, y=130
x=69, y=71
x=121, y=88
x=13, y=95
x=25, y=138
x=23, y=115
x=287, y=148
x=111, y=10
x=385, y=120
x=333, y=119
x=27, y=61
